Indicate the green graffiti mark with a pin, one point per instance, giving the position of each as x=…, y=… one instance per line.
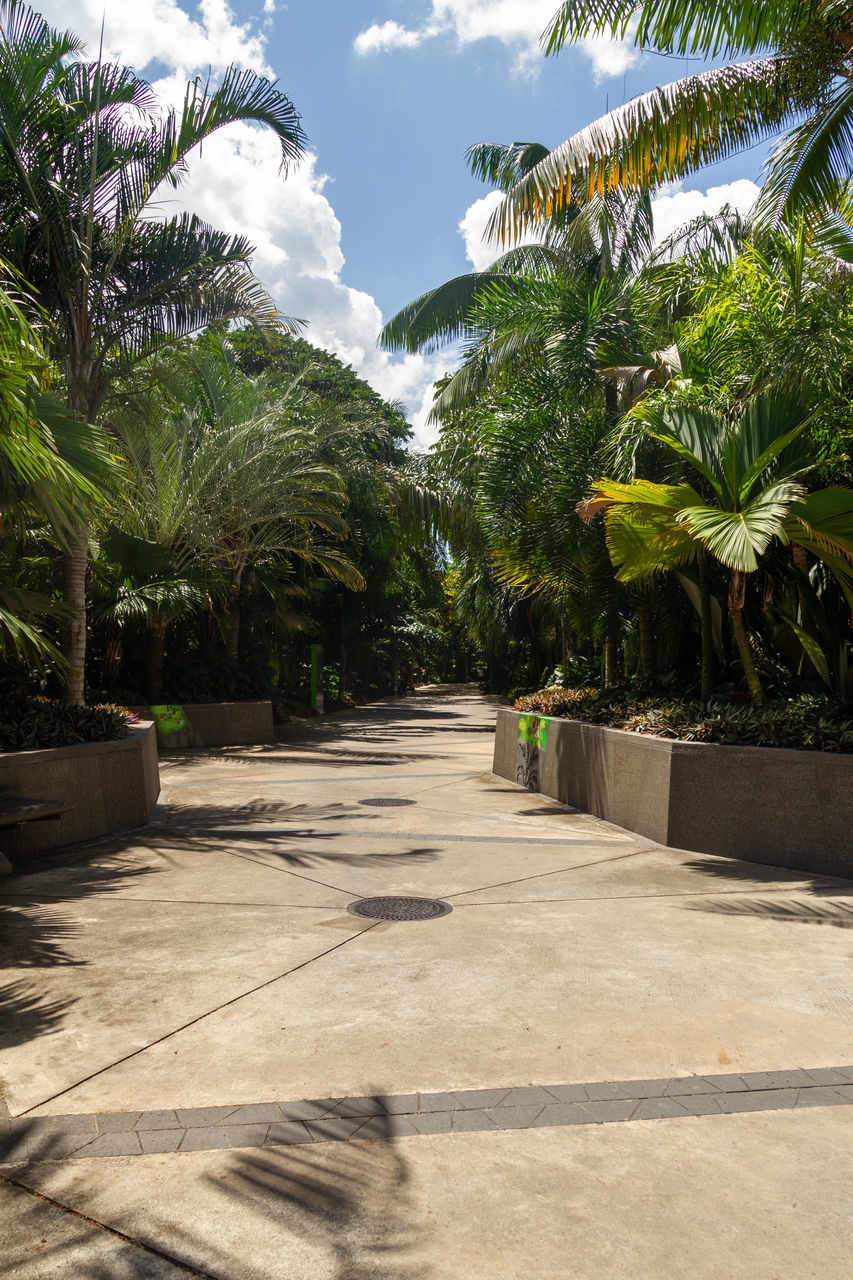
x=169, y=718
x=533, y=729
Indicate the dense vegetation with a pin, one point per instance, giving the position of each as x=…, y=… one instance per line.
x=643, y=474
x=181, y=517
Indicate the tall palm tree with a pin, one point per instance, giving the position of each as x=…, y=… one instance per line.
x=561, y=295
x=797, y=75
x=84, y=150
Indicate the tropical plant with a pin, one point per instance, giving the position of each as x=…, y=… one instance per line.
x=748, y=494
x=50, y=466
x=796, y=77
x=84, y=149
x=225, y=476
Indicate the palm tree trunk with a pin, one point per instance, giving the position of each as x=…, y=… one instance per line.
x=737, y=592
x=156, y=650
x=611, y=644
x=232, y=644
x=707, y=630
x=647, y=638
x=74, y=596
x=113, y=654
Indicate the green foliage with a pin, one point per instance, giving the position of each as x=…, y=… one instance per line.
x=30, y=723
x=804, y=723
x=796, y=65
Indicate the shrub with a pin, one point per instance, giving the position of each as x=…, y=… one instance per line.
x=804, y=723
x=29, y=723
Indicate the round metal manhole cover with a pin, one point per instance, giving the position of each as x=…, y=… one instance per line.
x=397, y=908
x=387, y=802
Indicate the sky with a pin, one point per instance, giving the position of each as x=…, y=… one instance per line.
x=391, y=93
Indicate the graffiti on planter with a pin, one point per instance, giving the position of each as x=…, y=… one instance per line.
x=530, y=750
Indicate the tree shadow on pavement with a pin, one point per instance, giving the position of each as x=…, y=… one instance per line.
x=785, y=910
x=351, y=1200
x=277, y=846
x=341, y=1209
x=36, y=936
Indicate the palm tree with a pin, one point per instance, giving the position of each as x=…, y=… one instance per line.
x=797, y=75
x=224, y=476
x=84, y=150
x=563, y=296
x=50, y=468
x=751, y=496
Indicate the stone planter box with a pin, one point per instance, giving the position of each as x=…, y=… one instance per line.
x=110, y=786
x=787, y=808
x=219, y=724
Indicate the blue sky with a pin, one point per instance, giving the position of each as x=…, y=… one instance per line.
x=391, y=93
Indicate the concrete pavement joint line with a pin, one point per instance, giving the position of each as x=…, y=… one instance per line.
x=179, y=780
x=102, y=1226
x=627, y=897
x=557, y=871
x=232, y=853
x=192, y=1022
x=276, y=1124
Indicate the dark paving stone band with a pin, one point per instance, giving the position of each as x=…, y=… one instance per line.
x=275, y=1124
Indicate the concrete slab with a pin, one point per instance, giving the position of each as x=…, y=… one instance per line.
x=745, y=1197
x=100, y=981
x=513, y=994
x=181, y=983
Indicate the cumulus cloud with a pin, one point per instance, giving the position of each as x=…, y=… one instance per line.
x=479, y=251
x=235, y=185
x=162, y=31
x=517, y=25
x=673, y=206
x=382, y=37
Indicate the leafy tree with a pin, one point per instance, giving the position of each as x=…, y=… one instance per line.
x=223, y=476
x=84, y=149
x=50, y=468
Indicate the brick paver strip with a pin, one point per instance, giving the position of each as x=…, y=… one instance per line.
x=309, y=1120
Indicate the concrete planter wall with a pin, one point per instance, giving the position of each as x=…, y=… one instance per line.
x=110, y=786
x=220, y=724
x=789, y=808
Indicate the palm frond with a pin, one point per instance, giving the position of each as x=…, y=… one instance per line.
x=658, y=137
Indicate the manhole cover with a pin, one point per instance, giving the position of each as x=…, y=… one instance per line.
x=387, y=802
x=400, y=908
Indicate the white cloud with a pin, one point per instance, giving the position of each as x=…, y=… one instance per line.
x=516, y=23
x=236, y=185
x=672, y=207
x=480, y=252
x=387, y=36
x=138, y=32
x=609, y=57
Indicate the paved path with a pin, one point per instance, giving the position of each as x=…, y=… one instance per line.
x=609, y=1060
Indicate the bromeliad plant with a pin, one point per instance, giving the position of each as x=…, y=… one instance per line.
x=746, y=491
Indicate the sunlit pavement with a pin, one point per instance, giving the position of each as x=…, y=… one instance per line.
x=609, y=1060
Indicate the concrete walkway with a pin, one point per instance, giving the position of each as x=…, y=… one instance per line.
x=609, y=1061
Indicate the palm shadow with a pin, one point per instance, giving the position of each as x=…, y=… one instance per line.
x=34, y=935
x=736, y=869
x=341, y=1208
x=353, y=1200
x=277, y=846
x=790, y=911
